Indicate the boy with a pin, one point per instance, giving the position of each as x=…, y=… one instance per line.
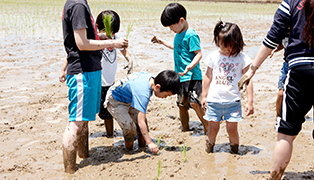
x=110, y=64
x=83, y=64
x=187, y=55
x=127, y=101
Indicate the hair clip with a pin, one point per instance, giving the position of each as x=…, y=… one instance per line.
x=223, y=24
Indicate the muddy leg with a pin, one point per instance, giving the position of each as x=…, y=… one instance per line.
x=82, y=147
x=209, y=148
x=69, y=160
x=200, y=113
x=128, y=145
x=234, y=148
x=184, y=117
x=70, y=145
x=109, y=126
x=141, y=141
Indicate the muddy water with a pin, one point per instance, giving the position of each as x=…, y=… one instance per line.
x=33, y=116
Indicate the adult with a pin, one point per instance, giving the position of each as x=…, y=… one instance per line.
x=298, y=96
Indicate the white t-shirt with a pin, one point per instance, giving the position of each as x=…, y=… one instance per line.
x=227, y=71
x=109, y=65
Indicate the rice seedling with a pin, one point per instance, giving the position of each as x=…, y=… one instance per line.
x=158, y=144
x=107, y=23
x=183, y=151
x=129, y=29
x=158, y=170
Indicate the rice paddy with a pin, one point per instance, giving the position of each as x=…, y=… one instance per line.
x=43, y=17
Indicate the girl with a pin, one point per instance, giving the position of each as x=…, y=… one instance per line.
x=220, y=89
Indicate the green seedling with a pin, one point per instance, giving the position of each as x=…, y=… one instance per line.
x=129, y=29
x=183, y=151
x=107, y=23
x=159, y=170
x=158, y=144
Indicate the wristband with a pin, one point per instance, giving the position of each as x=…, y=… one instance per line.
x=254, y=67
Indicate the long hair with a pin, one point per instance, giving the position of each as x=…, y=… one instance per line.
x=308, y=30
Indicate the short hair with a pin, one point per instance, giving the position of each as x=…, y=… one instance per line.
x=172, y=14
x=168, y=80
x=115, y=20
x=230, y=35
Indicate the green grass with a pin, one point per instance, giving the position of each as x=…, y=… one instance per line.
x=183, y=151
x=107, y=23
x=43, y=17
x=158, y=170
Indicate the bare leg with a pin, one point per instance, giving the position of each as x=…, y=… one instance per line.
x=200, y=113
x=184, y=117
x=109, y=126
x=282, y=155
x=141, y=140
x=70, y=145
x=82, y=146
x=213, y=128
x=279, y=101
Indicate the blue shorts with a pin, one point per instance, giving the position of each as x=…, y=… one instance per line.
x=282, y=75
x=228, y=111
x=84, y=95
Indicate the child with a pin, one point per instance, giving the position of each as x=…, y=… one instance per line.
x=109, y=64
x=83, y=66
x=127, y=101
x=220, y=91
x=187, y=55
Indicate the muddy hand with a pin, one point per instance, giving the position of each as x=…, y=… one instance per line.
x=155, y=40
x=129, y=67
x=244, y=80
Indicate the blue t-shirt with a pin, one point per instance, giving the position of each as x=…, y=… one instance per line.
x=185, y=44
x=134, y=89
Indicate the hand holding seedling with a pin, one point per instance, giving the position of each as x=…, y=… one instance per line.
x=156, y=39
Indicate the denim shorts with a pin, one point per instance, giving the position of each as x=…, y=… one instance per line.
x=228, y=111
x=282, y=75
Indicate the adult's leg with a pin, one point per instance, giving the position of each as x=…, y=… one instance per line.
x=71, y=138
x=200, y=113
x=213, y=128
x=232, y=130
x=282, y=155
x=278, y=101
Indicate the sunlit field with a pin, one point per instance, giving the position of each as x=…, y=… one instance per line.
x=43, y=17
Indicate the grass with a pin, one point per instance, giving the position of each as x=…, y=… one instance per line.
x=158, y=144
x=128, y=30
x=183, y=151
x=43, y=18
x=158, y=170
x=107, y=23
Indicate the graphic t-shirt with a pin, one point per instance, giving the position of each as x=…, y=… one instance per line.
x=227, y=71
x=76, y=15
x=134, y=89
x=185, y=44
x=109, y=65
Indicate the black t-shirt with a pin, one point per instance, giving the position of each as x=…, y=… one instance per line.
x=76, y=15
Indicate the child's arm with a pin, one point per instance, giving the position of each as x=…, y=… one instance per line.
x=249, y=109
x=143, y=127
x=206, y=83
x=127, y=56
x=168, y=44
x=195, y=61
x=62, y=76
x=83, y=43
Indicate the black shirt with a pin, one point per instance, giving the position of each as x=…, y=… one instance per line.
x=76, y=15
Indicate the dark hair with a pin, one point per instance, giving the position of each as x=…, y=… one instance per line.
x=309, y=26
x=230, y=35
x=172, y=14
x=115, y=20
x=169, y=81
